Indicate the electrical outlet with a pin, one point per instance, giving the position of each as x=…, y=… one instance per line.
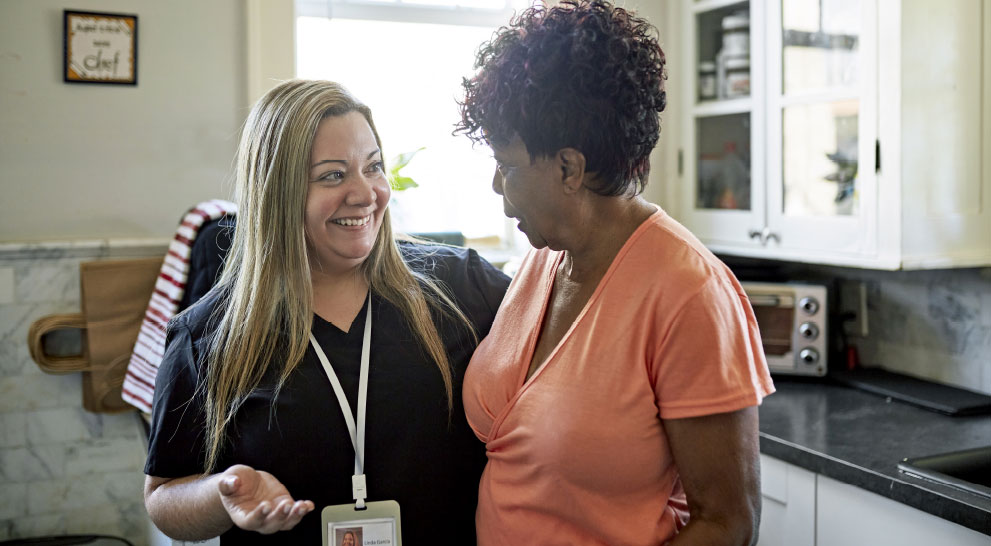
x=853, y=308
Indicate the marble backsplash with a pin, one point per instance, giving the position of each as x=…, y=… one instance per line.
x=63, y=470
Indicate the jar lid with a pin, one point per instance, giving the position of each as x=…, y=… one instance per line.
x=737, y=21
x=707, y=66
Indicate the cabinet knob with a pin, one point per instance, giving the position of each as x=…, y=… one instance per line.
x=755, y=234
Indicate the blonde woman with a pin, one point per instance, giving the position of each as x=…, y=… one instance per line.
x=248, y=437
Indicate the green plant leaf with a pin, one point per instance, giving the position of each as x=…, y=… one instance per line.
x=400, y=183
x=397, y=181
x=403, y=159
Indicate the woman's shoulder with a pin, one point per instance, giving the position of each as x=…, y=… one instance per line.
x=415, y=248
x=440, y=261
x=471, y=278
x=199, y=317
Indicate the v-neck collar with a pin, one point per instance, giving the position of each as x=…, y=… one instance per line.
x=352, y=332
x=547, y=286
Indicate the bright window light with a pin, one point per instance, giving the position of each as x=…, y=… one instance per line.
x=410, y=74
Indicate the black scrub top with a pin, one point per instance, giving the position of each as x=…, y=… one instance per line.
x=416, y=451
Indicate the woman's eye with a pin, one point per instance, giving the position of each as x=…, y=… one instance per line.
x=332, y=176
x=377, y=167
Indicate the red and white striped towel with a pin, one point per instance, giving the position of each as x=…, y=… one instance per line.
x=139, y=383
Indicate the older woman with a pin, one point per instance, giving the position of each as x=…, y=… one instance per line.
x=616, y=392
x=252, y=420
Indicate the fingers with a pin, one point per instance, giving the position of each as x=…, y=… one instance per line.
x=285, y=515
x=255, y=519
x=283, y=508
x=257, y=501
x=296, y=513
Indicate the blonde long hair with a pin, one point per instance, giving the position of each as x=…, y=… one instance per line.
x=266, y=309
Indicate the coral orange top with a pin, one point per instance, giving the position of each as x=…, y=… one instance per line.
x=577, y=453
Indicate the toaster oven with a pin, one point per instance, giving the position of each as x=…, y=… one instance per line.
x=793, y=326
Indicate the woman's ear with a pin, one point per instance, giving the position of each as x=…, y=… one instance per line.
x=572, y=165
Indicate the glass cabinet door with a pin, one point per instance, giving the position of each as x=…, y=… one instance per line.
x=821, y=146
x=722, y=126
x=723, y=168
x=723, y=52
x=819, y=44
x=724, y=158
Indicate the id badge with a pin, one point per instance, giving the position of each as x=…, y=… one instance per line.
x=377, y=525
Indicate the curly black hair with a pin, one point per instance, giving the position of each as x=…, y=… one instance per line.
x=584, y=74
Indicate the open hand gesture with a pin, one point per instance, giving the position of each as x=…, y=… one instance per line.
x=257, y=501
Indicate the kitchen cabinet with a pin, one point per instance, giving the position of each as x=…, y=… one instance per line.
x=802, y=508
x=848, y=515
x=788, y=495
x=846, y=132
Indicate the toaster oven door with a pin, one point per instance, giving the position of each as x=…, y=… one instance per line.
x=775, y=317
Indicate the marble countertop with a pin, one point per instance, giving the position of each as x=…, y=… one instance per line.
x=859, y=438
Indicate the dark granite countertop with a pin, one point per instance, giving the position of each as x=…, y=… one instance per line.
x=859, y=438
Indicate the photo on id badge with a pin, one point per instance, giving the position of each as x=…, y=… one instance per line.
x=358, y=533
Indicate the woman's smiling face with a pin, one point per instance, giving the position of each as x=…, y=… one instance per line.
x=347, y=193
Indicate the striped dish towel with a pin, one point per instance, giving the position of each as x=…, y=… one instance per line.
x=139, y=383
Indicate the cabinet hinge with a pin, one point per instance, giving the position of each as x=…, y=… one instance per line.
x=877, y=156
x=681, y=162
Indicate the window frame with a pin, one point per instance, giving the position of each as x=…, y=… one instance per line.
x=405, y=13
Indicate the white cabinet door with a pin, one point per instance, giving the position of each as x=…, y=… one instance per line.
x=850, y=516
x=786, y=170
x=859, y=141
x=822, y=119
x=789, y=503
x=723, y=198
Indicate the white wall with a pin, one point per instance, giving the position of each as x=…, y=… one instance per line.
x=664, y=159
x=83, y=161
x=80, y=161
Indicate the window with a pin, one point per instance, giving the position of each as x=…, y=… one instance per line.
x=405, y=59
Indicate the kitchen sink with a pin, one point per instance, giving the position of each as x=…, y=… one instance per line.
x=969, y=469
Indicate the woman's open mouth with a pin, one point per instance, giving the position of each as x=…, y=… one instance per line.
x=355, y=221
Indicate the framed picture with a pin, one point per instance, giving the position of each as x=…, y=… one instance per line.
x=100, y=47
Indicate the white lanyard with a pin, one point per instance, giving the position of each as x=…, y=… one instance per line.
x=358, y=487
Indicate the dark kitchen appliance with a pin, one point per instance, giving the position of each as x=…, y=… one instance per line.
x=926, y=394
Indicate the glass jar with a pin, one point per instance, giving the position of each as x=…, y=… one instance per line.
x=737, y=81
x=707, y=80
x=736, y=34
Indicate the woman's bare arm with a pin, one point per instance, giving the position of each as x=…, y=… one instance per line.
x=718, y=459
x=203, y=506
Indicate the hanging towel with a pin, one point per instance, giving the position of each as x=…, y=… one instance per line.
x=139, y=383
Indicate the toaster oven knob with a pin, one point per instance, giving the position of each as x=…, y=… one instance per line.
x=809, y=355
x=808, y=330
x=809, y=304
